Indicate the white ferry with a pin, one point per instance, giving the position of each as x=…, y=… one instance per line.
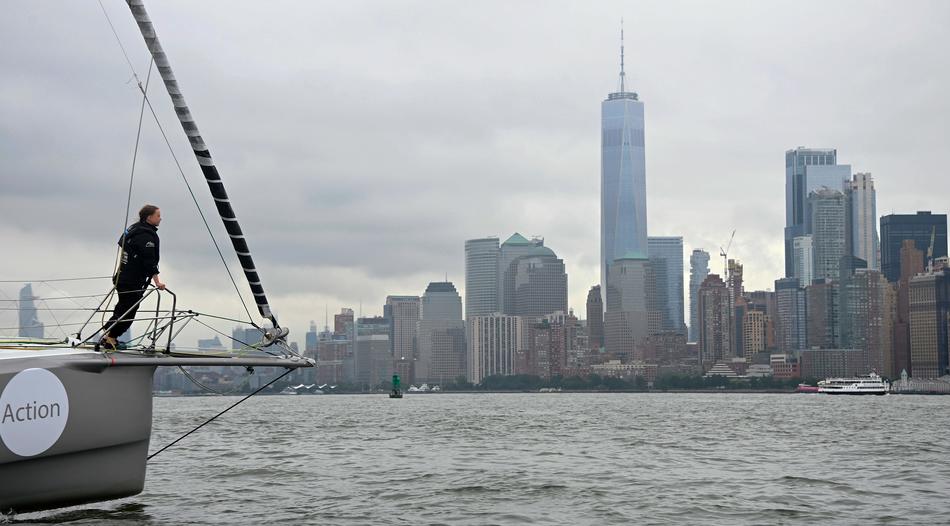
x=872, y=384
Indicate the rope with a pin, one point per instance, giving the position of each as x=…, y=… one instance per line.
x=208, y=421
x=51, y=280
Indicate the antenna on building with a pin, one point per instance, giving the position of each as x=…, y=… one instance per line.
x=622, y=74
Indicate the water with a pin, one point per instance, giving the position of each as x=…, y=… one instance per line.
x=543, y=459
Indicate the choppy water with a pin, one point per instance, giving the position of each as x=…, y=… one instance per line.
x=544, y=459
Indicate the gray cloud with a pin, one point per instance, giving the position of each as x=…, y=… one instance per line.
x=362, y=142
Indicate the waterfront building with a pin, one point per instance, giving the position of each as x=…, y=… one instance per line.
x=441, y=346
x=372, y=359
x=790, y=321
x=829, y=363
x=715, y=322
x=30, y=325
x=920, y=228
x=667, y=251
x=493, y=343
x=623, y=203
x=595, y=318
x=784, y=366
x=481, y=276
x=862, y=212
x=402, y=312
x=911, y=264
x=828, y=226
x=867, y=313
x=698, y=270
x=534, y=281
x=807, y=170
x=930, y=324
x=626, y=321
x=822, y=305
x=803, y=259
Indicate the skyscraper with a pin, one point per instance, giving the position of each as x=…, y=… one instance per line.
x=441, y=348
x=828, y=225
x=30, y=325
x=402, y=313
x=862, y=211
x=698, y=270
x=623, y=204
x=595, y=319
x=668, y=251
x=930, y=324
x=494, y=341
x=911, y=264
x=481, y=277
x=790, y=323
x=803, y=259
x=920, y=228
x=533, y=281
x=715, y=322
x=626, y=320
x=807, y=170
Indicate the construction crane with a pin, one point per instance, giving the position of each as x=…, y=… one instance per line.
x=724, y=252
x=930, y=250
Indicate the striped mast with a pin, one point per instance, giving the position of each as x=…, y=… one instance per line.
x=203, y=155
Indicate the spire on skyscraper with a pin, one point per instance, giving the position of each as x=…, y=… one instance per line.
x=622, y=74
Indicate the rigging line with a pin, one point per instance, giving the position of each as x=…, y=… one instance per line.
x=198, y=206
x=208, y=421
x=199, y=384
x=51, y=280
x=118, y=40
x=232, y=338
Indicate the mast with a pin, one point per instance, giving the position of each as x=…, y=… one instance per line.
x=203, y=155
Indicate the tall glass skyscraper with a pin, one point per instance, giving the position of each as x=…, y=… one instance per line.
x=623, y=201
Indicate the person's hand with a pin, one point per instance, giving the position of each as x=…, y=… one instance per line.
x=158, y=284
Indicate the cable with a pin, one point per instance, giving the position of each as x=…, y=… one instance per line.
x=208, y=421
x=51, y=280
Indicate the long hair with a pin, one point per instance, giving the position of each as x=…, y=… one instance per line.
x=146, y=211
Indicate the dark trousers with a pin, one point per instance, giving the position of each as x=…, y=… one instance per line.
x=129, y=294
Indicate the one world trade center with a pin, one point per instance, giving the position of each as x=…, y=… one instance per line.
x=623, y=202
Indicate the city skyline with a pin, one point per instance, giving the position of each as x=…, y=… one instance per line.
x=355, y=253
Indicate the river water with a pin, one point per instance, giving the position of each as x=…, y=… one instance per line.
x=543, y=459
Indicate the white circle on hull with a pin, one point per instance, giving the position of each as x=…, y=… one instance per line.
x=34, y=409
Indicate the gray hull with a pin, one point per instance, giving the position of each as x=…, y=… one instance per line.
x=101, y=453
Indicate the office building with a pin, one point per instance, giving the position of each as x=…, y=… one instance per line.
x=493, y=343
x=919, y=228
x=626, y=322
x=533, y=279
x=828, y=225
x=823, y=306
x=698, y=270
x=481, y=277
x=30, y=325
x=441, y=348
x=830, y=363
x=595, y=318
x=715, y=322
x=867, y=314
x=402, y=313
x=862, y=212
x=807, y=170
x=929, y=324
x=667, y=251
x=803, y=259
x=623, y=203
x=790, y=321
x=372, y=354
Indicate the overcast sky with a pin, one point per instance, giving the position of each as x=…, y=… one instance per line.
x=363, y=142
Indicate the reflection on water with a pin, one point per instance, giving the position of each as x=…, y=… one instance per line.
x=542, y=459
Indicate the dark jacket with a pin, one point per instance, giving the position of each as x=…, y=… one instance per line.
x=139, y=254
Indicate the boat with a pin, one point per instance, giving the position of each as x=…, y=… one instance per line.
x=75, y=420
x=872, y=384
x=805, y=388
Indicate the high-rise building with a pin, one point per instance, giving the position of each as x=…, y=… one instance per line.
x=807, y=170
x=343, y=323
x=481, y=277
x=866, y=317
x=822, y=324
x=493, y=343
x=623, y=201
x=533, y=281
x=803, y=259
x=828, y=225
x=402, y=312
x=930, y=324
x=30, y=325
x=734, y=281
x=698, y=270
x=626, y=321
x=668, y=251
x=441, y=349
x=790, y=322
x=595, y=318
x=754, y=331
x=911, y=264
x=373, y=361
x=862, y=212
x=920, y=228
x=310, y=343
x=715, y=322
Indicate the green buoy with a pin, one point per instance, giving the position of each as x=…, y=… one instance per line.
x=396, y=391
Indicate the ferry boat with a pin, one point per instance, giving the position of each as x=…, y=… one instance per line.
x=872, y=384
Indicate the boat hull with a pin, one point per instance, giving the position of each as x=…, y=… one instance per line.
x=101, y=451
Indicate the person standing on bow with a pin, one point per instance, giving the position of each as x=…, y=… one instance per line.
x=138, y=266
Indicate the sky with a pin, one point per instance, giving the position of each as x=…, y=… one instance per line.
x=363, y=142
